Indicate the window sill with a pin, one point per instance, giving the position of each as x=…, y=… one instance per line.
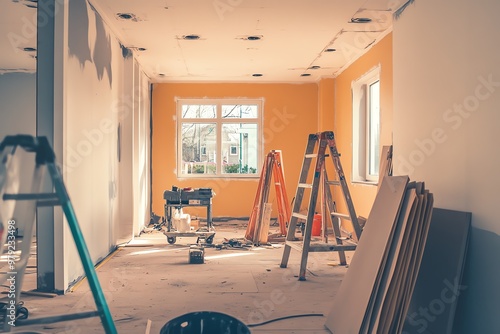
x=365, y=182
x=225, y=177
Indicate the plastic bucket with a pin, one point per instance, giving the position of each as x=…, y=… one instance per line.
x=317, y=223
x=185, y=223
x=205, y=323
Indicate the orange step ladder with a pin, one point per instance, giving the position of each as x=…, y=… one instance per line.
x=273, y=166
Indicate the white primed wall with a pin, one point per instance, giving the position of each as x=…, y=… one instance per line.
x=17, y=116
x=18, y=107
x=101, y=92
x=141, y=153
x=446, y=117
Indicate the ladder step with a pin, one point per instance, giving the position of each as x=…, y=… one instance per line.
x=330, y=248
x=299, y=215
x=333, y=183
x=314, y=247
x=30, y=197
x=341, y=215
x=310, y=156
x=305, y=185
x=297, y=245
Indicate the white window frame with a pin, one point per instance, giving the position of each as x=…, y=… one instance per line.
x=361, y=130
x=218, y=102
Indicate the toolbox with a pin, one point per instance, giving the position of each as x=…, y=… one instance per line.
x=189, y=196
x=196, y=254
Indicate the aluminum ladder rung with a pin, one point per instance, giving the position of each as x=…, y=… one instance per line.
x=341, y=215
x=30, y=197
x=297, y=245
x=299, y=215
x=316, y=247
x=305, y=185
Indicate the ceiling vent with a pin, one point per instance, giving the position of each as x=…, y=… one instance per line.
x=361, y=20
x=191, y=37
x=126, y=16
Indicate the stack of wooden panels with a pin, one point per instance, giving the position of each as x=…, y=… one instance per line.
x=377, y=289
x=439, y=283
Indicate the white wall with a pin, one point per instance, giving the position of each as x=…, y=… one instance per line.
x=141, y=153
x=18, y=116
x=100, y=89
x=446, y=118
x=18, y=107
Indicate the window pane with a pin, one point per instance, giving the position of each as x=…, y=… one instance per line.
x=239, y=111
x=199, y=147
x=199, y=111
x=239, y=148
x=374, y=129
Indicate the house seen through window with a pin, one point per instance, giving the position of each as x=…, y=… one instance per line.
x=219, y=137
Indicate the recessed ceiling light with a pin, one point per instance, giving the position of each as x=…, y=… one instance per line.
x=191, y=37
x=330, y=50
x=257, y=75
x=305, y=75
x=29, y=49
x=254, y=38
x=315, y=67
x=361, y=20
x=126, y=16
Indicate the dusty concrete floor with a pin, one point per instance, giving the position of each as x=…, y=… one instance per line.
x=149, y=281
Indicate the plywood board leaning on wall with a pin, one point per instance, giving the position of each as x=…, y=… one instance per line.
x=376, y=291
x=354, y=294
x=438, y=285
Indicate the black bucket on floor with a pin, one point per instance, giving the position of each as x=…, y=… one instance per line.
x=205, y=323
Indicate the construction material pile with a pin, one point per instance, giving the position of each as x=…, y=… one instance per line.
x=375, y=294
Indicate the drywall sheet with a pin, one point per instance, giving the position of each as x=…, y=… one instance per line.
x=390, y=272
x=393, y=306
x=415, y=263
x=438, y=283
x=394, y=292
x=354, y=294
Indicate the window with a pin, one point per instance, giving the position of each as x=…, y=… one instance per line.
x=219, y=137
x=366, y=127
x=233, y=150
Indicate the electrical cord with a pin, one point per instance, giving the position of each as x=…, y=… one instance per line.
x=286, y=317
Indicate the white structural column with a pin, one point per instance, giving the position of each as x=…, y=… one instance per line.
x=49, y=122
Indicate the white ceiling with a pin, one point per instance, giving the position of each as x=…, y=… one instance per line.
x=294, y=36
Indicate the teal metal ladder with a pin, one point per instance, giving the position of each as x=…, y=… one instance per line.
x=44, y=161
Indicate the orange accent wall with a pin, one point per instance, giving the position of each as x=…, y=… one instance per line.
x=326, y=98
x=290, y=115
x=363, y=195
